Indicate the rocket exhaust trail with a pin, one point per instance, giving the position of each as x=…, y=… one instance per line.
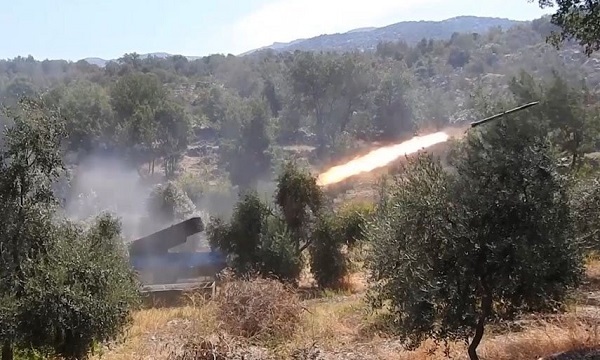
x=379, y=158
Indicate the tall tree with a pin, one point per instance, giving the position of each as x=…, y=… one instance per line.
x=573, y=123
x=578, y=19
x=249, y=158
x=493, y=239
x=300, y=200
x=56, y=297
x=136, y=98
x=173, y=130
x=88, y=113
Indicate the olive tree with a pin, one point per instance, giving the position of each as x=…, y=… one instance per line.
x=63, y=286
x=82, y=291
x=256, y=240
x=327, y=262
x=271, y=239
x=300, y=199
x=585, y=205
x=490, y=239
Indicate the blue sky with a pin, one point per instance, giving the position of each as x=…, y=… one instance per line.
x=75, y=29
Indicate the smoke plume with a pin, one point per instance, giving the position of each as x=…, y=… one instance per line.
x=102, y=183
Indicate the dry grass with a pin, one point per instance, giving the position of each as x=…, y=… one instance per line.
x=155, y=332
x=546, y=338
x=260, y=309
x=337, y=324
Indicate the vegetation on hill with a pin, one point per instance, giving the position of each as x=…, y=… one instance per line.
x=495, y=230
x=410, y=31
x=247, y=110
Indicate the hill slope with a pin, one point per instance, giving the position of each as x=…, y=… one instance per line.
x=365, y=39
x=410, y=31
x=161, y=55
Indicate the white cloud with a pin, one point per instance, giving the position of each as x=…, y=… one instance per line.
x=286, y=20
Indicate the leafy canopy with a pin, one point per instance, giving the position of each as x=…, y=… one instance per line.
x=64, y=286
x=489, y=240
x=578, y=19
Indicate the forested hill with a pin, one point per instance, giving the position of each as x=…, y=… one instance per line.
x=241, y=113
x=366, y=39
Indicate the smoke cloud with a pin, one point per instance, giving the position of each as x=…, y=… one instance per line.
x=102, y=183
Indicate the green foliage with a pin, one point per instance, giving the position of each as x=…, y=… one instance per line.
x=63, y=287
x=88, y=113
x=256, y=240
x=394, y=114
x=578, y=19
x=241, y=236
x=83, y=293
x=327, y=262
x=278, y=256
x=168, y=203
x=585, y=203
x=351, y=220
x=249, y=158
x=271, y=242
x=567, y=112
x=452, y=252
x=300, y=199
x=172, y=135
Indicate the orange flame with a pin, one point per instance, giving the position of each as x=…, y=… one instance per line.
x=379, y=158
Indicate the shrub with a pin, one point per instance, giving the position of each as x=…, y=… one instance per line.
x=278, y=256
x=64, y=287
x=300, y=200
x=585, y=201
x=258, y=308
x=327, y=262
x=256, y=241
x=87, y=292
x=168, y=203
x=351, y=220
x=192, y=186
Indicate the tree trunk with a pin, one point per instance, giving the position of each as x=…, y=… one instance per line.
x=574, y=161
x=7, y=351
x=486, y=309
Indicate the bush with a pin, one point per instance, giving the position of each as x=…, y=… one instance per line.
x=64, y=287
x=168, y=203
x=328, y=264
x=300, y=200
x=87, y=293
x=192, y=186
x=258, y=308
x=585, y=201
x=351, y=220
x=278, y=256
x=256, y=241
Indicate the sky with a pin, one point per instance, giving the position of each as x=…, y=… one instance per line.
x=76, y=29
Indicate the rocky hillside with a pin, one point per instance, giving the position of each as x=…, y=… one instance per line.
x=366, y=39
